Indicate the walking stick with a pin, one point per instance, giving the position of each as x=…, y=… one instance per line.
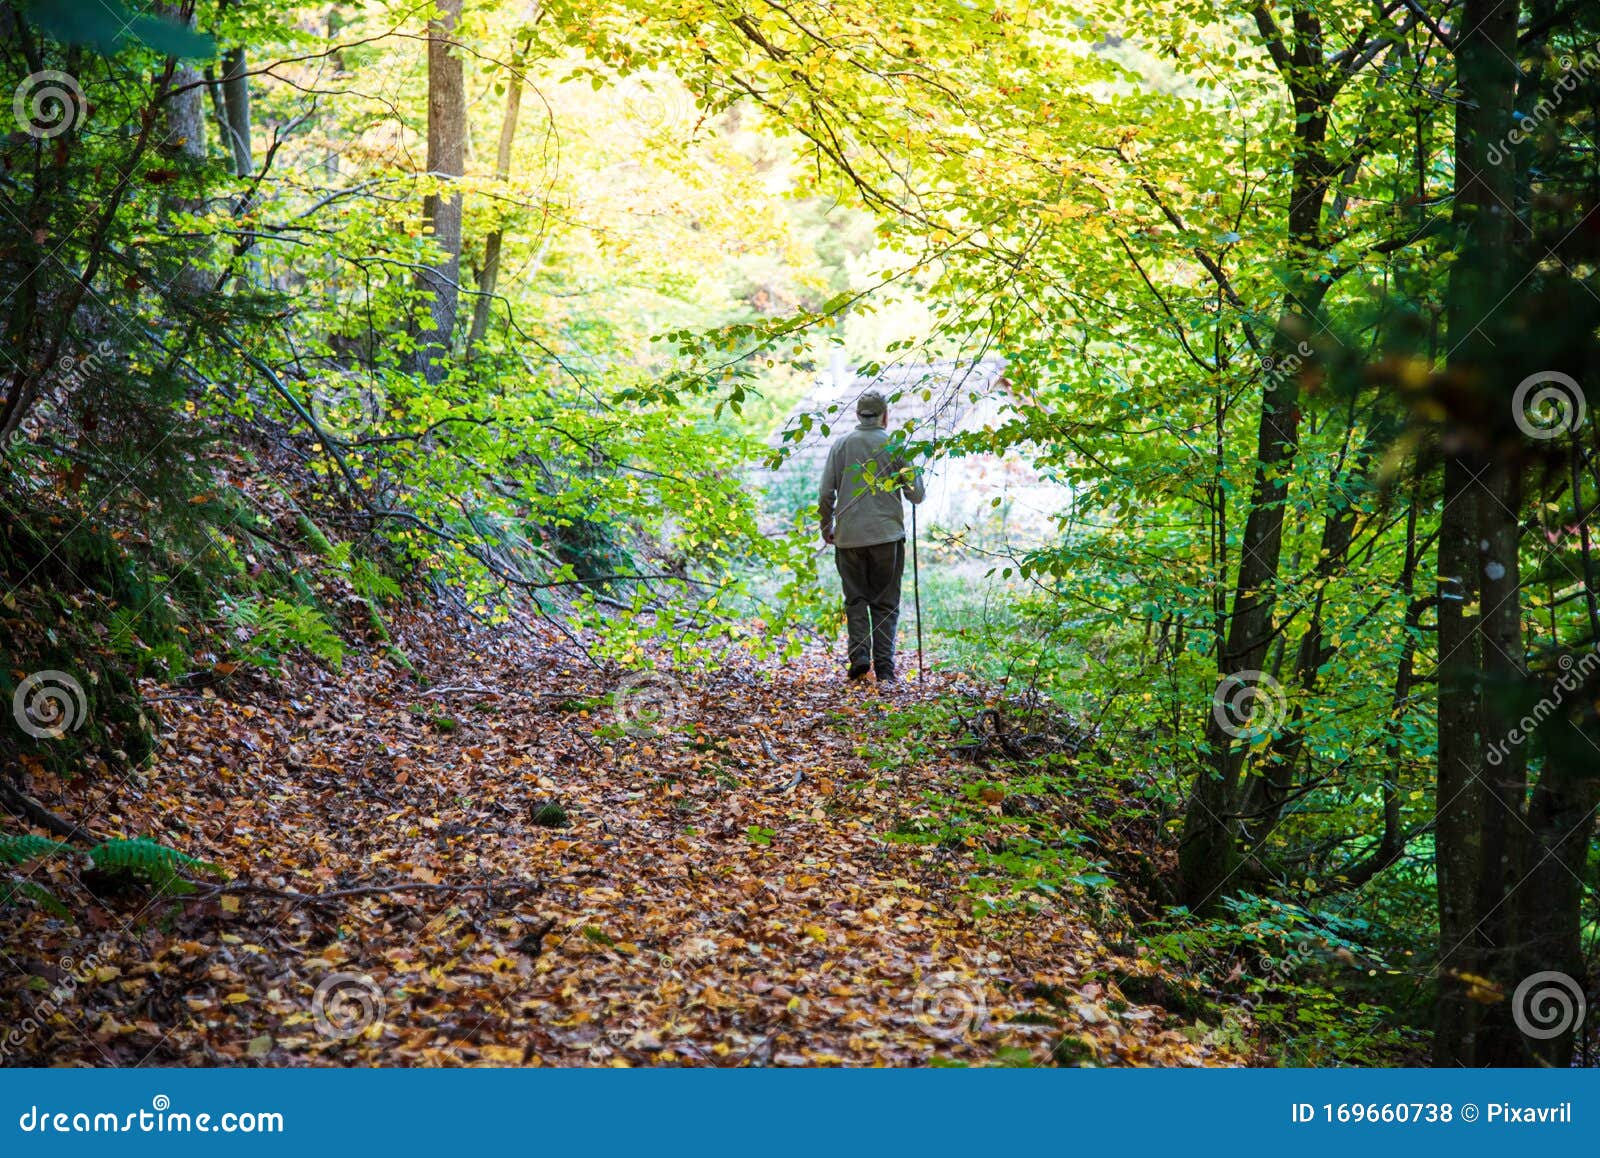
x=916, y=589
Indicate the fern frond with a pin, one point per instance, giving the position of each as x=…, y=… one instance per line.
x=21, y=848
x=279, y=626
x=150, y=859
x=372, y=584
x=13, y=889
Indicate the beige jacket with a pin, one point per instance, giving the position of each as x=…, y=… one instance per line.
x=862, y=487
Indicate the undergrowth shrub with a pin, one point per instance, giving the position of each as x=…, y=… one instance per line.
x=1298, y=974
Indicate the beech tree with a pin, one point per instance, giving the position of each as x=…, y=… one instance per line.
x=441, y=207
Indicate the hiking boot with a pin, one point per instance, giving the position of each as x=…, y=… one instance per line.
x=858, y=673
x=886, y=675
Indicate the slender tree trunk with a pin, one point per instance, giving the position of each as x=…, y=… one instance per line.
x=1266, y=791
x=236, y=110
x=1392, y=843
x=489, y=278
x=1208, y=851
x=1479, y=610
x=447, y=136
x=1549, y=923
x=232, y=96
x=184, y=137
x=1551, y=840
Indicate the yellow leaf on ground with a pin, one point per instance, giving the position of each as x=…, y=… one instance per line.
x=501, y=1055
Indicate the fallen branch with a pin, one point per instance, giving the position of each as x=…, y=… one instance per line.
x=798, y=776
x=26, y=806
x=977, y=748
x=455, y=689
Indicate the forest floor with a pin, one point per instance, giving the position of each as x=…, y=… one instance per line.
x=540, y=880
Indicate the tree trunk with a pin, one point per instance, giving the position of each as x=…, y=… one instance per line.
x=1392, y=843
x=184, y=136
x=236, y=110
x=489, y=277
x=1266, y=792
x=1208, y=851
x=447, y=136
x=1479, y=612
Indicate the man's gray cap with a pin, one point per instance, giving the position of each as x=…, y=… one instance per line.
x=871, y=404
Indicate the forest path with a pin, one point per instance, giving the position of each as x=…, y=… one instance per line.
x=720, y=894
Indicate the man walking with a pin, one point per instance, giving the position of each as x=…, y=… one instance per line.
x=863, y=518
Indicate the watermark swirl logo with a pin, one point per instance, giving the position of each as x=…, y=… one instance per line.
x=1547, y=1005
x=47, y=104
x=160, y=1102
x=346, y=1005
x=648, y=702
x=1248, y=704
x=49, y=704
x=949, y=1006
x=347, y=407
x=1547, y=405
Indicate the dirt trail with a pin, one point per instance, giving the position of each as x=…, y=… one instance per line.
x=720, y=894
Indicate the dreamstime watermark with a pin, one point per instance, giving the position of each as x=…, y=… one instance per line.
x=347, y=407
x=49, y=704
x=72, y=369
x=70, y=372
x=1248, y=704
x=1573, y=73
x=648, y=702
x=1548, y=1004
x=1277, y=369
x=73, y=974
x=160, y=1118
x=1278, y=972
x=346, y=1005
x=1547, y=405
x=949, y=1006
x=48, y=103
x=1573, y=674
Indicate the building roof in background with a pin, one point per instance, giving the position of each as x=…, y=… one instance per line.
x=935, y=399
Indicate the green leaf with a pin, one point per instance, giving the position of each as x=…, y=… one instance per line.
x=105, y=25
